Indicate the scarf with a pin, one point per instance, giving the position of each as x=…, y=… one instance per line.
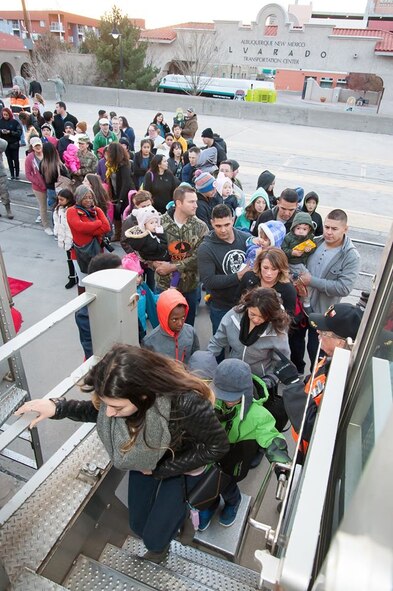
x=110, y=169
x=114, y=434
x=246, y=337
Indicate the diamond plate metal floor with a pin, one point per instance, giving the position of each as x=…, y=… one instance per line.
x=192, y=555
x=194, y=576
x=29, y=581
x=89, y=575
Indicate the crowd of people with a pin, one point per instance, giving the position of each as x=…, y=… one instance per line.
x=269, y=269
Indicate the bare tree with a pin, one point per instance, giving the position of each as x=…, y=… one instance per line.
x=196, y=53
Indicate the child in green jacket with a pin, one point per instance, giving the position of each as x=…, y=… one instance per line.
x=249, y=425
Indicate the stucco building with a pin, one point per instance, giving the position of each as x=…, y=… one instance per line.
x=296, y=43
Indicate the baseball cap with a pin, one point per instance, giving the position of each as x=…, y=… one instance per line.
x=190, y=110
x=104, y=121
x=342, y=319
x=35, y=141
x=232, y=380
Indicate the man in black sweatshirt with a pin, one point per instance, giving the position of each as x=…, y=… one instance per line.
x=221, y=263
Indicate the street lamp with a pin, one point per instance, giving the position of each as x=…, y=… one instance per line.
x=117, y=35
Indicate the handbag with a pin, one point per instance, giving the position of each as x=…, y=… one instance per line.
x=85, y=253
x=63, y=182
x=212, y=484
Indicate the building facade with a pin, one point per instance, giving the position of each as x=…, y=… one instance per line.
x=295, y=43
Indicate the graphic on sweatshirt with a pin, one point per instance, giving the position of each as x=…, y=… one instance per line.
x=179, y=250
x=232, y=262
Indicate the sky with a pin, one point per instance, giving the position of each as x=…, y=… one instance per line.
x=159, y=14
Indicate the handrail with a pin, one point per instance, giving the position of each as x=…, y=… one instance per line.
x=32, y=333
x=14, y=430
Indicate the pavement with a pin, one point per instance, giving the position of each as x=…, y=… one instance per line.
x=350, y=170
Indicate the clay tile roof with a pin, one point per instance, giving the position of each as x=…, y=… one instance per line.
x=11, y=43
x=163, y=34
x=385, y=44
x=169, y=33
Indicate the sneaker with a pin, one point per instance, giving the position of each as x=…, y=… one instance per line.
x=48, y=231
x=206, y=516
x=228, y=514
x=38, y=219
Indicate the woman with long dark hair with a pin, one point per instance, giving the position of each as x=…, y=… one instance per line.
x=162, y=126
x=142, y=160
x=118, y=176
x=175, y=160
x=11, y=132
x=160, y=182
x=253, y=330
x=271, y=270
x=127, y=132
x=156, y=421
x=51, y=168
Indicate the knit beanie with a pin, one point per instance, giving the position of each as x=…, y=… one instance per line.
x=302, y=217
x=300, y=193
x=208, y=132
x=144, y=215
x=204, y=182
x=274, y=230
x=220, y=182
x=82, y=126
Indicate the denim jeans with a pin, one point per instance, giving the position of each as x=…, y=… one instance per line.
x=216, y=315
x=51, y=197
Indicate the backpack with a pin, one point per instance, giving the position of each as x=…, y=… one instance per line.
x=271, y=400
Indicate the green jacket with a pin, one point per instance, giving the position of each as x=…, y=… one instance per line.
x=102, y=140
x=183, y=244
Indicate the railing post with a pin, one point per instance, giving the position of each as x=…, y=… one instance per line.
x=114, y=313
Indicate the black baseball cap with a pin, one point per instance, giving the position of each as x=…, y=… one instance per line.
x=342, y=319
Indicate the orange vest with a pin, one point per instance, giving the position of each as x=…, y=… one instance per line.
x=317, y=387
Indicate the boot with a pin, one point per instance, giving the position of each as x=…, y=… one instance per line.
x=81, y=290
x=117, y=234
x=9, y=212
x=73, y=279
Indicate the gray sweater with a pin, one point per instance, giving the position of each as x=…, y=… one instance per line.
x=336, y=279
x=259, y=356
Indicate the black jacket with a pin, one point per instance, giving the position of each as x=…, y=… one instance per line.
x=218, y=263
x=58, y=123
x=204, y=209
x=197, y=437
x=14, y=128
x=161, y=187
x=34, y=88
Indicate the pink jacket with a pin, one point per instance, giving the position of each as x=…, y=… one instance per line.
x=33, y=174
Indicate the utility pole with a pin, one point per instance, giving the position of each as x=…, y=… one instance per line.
x=30, y=44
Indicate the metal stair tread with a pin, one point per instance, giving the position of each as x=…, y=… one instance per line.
x=198, y=557
x=11, y=399
x=33, y=582
x=158, y=576
x=89, y=575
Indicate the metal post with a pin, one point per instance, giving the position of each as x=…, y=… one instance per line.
x=121, y=62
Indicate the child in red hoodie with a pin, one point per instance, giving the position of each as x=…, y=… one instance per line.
x=172, y=337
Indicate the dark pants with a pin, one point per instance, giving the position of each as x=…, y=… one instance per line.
x=231, y=494
x=157, y=508
x=297, y=344
x=216, y=315
x=12, y=155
